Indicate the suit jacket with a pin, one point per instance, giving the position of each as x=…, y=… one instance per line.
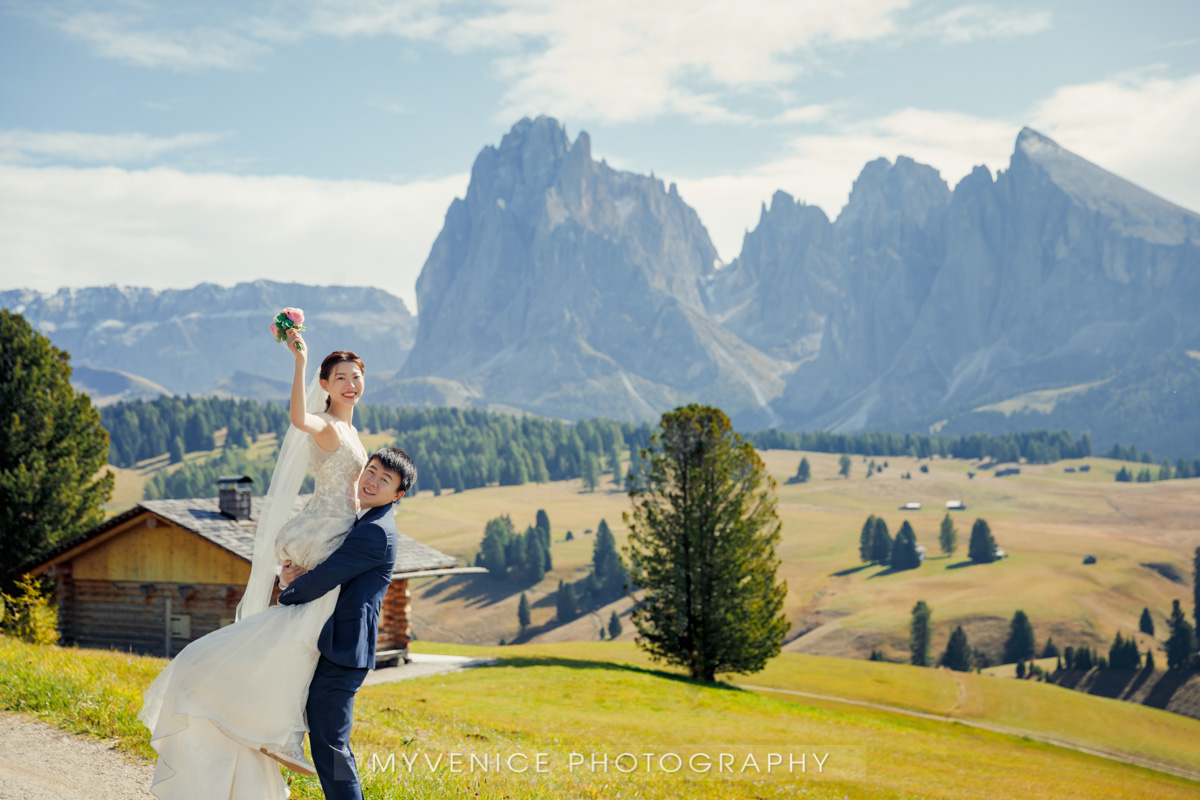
x=362, y=566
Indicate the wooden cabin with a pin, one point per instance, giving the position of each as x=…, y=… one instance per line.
x=167, y=572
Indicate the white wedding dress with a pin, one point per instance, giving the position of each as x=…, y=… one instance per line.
x=244, y=687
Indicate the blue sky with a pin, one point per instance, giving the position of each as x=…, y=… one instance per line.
x=164, y=144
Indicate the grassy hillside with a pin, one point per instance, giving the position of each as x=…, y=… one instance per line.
x=1045, y=518
x=581, y=699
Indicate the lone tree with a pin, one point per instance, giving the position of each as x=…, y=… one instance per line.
x=1182, y=641
x=1019, y=646
x=523, y=612
x=844, y=466
x=614, y=626
x=1146, y=623
x=904, y=549
x=958, y=652
x=919, y=634
x=702, y=538
x=948, y=537
x=982, y=549
x=51, y=447
x=804, y=471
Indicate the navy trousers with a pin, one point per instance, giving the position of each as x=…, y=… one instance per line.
x=330, y=712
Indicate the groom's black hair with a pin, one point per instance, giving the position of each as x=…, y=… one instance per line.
x=396, y=460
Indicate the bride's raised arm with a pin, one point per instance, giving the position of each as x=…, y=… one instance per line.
x=325, y=434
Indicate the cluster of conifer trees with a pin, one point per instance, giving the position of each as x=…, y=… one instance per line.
x=1036, y=447
x=876, y=546
x=144, y=429
x=605, y=583
x=517, y=557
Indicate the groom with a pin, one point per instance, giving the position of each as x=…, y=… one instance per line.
x=362, y=566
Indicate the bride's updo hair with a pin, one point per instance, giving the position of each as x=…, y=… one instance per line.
x=339, y=357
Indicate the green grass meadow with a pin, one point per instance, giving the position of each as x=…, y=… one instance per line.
x=579, y=704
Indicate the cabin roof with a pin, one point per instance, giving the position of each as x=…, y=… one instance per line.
x=202, y=516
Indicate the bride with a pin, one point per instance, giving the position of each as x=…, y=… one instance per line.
x=230, y=706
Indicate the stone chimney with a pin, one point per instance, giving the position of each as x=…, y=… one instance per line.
x=234, y=494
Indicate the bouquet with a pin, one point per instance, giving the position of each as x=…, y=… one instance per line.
x=286, y=320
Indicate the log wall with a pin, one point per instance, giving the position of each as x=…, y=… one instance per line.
x=394, y=631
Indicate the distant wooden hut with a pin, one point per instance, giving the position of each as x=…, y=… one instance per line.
x=167, y=572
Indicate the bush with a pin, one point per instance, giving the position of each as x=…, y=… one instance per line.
x=30, y=614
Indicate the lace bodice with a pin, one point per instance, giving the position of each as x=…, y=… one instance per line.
x=308, y=538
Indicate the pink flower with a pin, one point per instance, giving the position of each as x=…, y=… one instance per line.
x=274, y=330
x=296, y=315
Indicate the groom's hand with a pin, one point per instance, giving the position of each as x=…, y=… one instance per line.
x=289, y=573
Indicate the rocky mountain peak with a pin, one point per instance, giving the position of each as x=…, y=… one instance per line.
x=885, y=191
x=1038, y=160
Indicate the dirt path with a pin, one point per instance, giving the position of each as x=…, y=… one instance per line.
x=38, y=762
x=1158, y=766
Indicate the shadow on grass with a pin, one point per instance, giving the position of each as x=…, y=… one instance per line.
x=473, y=590
x=1166, y=687
x=848, y=571
x=961, y=564
x=609, y=666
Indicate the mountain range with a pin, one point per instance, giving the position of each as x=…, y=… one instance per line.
x=1052, y=293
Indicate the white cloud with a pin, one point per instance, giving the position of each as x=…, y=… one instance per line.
x=128, y=37
x=61, y=226
x=25, y=147
x=1140, y=127
x=632, y=59
x=968, y=23
x=617, y=61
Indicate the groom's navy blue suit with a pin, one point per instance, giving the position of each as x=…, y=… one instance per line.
x=362, y=566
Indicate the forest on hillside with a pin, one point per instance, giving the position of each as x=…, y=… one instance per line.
x=464, y=449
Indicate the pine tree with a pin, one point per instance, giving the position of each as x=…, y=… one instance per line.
x=535, y=556
x=1019, y=645
x=198, y=435
x=606, y=565
x=1150, y=659
x=1051, y=649
x=493, y=550
x=1196, y=589
x=542, y=522
x=52, y=447
x=948, y=537
x=1146, y=623
x=958, y=652
x=614, y=626
x=919, y=634
x=904, y=549
x=1182, y=641
x=866, y=540
x=1020, y=670
x=702, y=539
x=591, y=472
x=804, y=471
x=844, y=466
x=523, y=612
x=1124, y=475
x=565, y=601
x=881, y=543
x=982, y=549
x=176, y=451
